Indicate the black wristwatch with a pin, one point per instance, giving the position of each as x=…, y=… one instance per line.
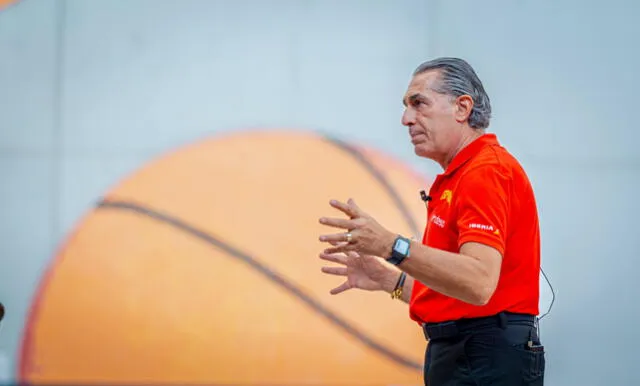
x=400, y=250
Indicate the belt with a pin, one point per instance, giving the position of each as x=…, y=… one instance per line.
x=445, y=330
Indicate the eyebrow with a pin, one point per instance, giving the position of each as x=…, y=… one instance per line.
x=412, y=98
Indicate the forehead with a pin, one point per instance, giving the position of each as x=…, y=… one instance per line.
x=421, y=85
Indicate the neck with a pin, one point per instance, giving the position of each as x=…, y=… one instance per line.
x=465, y=140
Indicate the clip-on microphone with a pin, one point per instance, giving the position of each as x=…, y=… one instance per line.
x=424, y=196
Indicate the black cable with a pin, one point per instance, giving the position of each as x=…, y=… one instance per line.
x=553, y=295
x=553, y=298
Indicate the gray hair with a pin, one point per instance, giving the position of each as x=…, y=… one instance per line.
x=457, y=78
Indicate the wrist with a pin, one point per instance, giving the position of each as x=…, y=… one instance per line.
x=387, y=245
x=390, y=280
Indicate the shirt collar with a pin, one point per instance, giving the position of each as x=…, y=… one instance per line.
x=471, y=150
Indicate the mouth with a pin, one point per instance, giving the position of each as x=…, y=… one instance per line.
x=417, y=138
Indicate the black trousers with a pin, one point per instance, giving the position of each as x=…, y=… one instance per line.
x=502, y=350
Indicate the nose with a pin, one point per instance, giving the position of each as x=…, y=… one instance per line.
x=409, y=117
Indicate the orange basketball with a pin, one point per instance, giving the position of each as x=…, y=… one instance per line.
x=6, y=3
x=202, y=267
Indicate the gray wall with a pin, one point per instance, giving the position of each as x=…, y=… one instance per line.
x=91, y=90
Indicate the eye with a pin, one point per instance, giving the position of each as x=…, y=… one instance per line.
x=419, y=103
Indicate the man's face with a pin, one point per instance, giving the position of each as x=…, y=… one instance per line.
x=431, y=118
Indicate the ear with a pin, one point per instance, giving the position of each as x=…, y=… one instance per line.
x=464, y=105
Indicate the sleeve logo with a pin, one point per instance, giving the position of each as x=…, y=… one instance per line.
x=484, y=227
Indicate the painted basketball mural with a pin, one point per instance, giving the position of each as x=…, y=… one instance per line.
x=6, y=3
x=202, y=267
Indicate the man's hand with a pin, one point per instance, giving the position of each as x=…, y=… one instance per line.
x=470, y=275
x=365, y=272
x=363, y=234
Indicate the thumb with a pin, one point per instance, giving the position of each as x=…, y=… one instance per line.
x=341, y=288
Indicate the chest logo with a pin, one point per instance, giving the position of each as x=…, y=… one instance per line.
x=437, y=220
x=446, y=195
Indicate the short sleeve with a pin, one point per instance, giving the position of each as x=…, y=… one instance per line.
x=482, y=205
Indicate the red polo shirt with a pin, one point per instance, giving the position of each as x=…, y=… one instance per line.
x=483, y=196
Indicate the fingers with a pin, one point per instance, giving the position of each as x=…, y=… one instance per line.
x=349, y=208
x=336, y=238
x=338, y=222
x=345, y=248
x=343, y=207
x=338, y=271
x=341, y=288
x=334, y=258
x=355, y=208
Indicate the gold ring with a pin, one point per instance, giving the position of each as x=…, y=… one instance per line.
x=349, y=237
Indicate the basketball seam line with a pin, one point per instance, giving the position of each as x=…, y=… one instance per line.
x=377, y=174
x=270, y=274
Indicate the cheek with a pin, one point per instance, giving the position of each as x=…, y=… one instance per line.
x=436, y=125
x=425, y=123
x=428, y=125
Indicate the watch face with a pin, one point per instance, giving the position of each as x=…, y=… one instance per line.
x=402, y=246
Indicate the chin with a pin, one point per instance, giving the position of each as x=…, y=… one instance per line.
x=422, y=150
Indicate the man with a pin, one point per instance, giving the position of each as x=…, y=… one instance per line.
x=473, y=282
